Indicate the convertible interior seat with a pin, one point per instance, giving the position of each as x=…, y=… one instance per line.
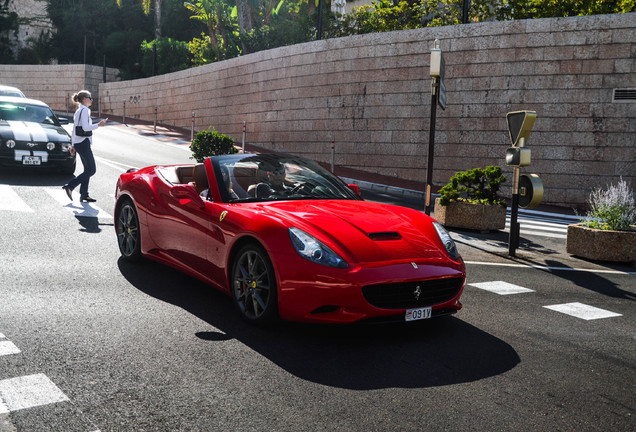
x=185, y=174
x=200, y=178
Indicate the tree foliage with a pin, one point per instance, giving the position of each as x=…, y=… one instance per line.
x=9, y=25
x=175, y=56
x=125, y=31
x=387, y=15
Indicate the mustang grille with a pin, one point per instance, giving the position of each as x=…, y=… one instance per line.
x=412, y=294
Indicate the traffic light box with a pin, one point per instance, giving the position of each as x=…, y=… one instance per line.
x=520, y=125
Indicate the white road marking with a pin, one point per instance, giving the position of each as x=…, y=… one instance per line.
x=583, y=311
x=9, y=200
x=116, y=165
x=80, y=209
x=7, y=348
x=539, y=228
x=501, y=288
x=28, y=392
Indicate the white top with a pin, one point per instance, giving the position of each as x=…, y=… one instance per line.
x=83, y=120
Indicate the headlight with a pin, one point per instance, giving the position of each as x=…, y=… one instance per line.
x=447, y=241
x=314, y=250
x=50, y=146
x=10, y=143
x=66, y=147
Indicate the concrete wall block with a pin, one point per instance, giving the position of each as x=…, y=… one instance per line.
x=626, y=66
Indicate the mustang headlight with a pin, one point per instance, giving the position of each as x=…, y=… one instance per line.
x=447, y=241
x=10, y=144
x=50, y=146
x=312, y=249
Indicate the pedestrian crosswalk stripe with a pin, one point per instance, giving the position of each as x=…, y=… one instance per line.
x=80, y=209
x=28, y=392
x=501, y=288
x=7, y=348
x=540, y=228
x=583, y=311
x=9, y=200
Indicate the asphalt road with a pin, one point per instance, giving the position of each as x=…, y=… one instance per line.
x=89, y=342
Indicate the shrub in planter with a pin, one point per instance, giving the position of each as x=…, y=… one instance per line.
x=611, y=209
x=470, y=200
x=211, y=143
x=608, y=231
x=477, y=186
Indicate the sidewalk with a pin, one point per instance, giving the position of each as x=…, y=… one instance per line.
x=476, y=248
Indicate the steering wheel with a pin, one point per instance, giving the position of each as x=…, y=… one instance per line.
x=306, y=187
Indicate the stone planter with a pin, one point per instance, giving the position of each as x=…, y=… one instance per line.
x=471, y=216
x=601, y=245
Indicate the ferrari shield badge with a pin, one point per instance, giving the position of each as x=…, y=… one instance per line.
x=222, y=216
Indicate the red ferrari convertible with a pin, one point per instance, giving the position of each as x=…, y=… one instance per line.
x=287, y=239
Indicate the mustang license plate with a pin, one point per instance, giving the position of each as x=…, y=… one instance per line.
x=31, y=160
x=418, y=314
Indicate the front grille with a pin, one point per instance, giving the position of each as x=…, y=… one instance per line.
x=404, y=295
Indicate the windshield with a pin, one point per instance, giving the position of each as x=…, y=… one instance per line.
x=25, y=112
x=11, y=92
x=274, y=177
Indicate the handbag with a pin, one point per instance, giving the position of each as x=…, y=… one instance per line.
x=79, y=130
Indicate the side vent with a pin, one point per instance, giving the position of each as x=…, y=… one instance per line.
x=624, y=95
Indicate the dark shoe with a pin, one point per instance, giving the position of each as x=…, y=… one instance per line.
x=87, y=199
x=69, y=192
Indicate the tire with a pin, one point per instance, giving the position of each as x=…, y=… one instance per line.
x=128, y=231
x=253, y=285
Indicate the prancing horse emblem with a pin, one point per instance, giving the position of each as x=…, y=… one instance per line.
x=417, y=293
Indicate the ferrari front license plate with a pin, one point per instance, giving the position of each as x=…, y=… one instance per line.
x=31, y=160
x=418, y=314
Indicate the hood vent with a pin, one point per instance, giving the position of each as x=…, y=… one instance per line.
x=624, y=95
x=385, y=235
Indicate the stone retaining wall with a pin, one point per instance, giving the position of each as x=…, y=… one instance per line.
x=56, y=84
x=370, y=94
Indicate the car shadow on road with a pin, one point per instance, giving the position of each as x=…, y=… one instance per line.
x=33, y=177
x=436, y=352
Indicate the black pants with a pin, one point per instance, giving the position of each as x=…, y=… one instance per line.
x=88, y=160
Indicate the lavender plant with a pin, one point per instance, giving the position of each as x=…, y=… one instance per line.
x=612, y=209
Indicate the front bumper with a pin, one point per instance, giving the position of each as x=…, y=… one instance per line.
x=313, y=293
x=36, y=159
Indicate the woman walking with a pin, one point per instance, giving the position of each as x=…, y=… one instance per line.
x=82, y=139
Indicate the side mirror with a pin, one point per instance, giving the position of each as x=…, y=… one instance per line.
x=186, y=192
x=63, y=120
x=356, y=189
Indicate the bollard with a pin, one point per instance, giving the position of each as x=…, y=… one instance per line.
x=155, y=124
x=192, y=129
x=243, y=143
x=333, y=157
x=124, y=116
